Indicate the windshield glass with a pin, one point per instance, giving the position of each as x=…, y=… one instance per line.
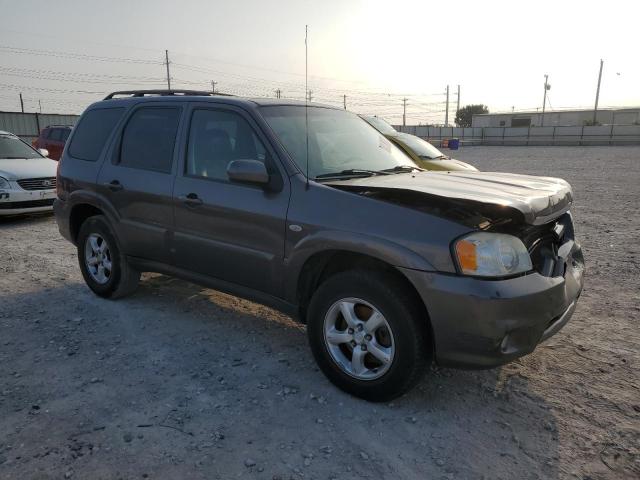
x=338, y=140
x=13, y=147
x=381, y=125
x=421, y=147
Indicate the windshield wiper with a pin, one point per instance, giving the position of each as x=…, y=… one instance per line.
x=352, y=172
x=401, y=169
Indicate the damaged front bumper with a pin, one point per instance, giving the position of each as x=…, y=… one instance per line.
x=480, y=323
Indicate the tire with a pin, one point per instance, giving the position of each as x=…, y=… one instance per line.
x=120, y=279
x=403, y=341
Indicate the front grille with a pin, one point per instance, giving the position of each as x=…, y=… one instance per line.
x=543, y=243
x=45, y=183
x=30, y=204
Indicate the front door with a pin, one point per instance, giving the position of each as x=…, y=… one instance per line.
x=137, y=179
x=230, y=231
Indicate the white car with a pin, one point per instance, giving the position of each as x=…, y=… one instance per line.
x=27, y=177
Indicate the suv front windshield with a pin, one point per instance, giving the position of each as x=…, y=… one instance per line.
x=13, y=147
x=339, y=141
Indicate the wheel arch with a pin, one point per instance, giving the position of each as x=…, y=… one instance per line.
x=322, y=265
x=84, y=205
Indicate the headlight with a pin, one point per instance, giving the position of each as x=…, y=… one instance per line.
x=4, y=183
x=487, y=254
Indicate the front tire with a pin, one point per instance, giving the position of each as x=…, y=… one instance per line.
x=369, y=334
x=104, y=267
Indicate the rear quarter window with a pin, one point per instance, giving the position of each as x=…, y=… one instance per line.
x=93, y=131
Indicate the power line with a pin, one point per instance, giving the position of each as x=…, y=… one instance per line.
x=75, y=55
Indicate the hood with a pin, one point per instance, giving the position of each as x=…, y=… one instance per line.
x=15, y=169
x=538, y=199
x=445, y=164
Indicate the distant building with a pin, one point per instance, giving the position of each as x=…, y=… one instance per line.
x=560, y=118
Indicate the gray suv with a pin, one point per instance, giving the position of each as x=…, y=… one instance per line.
x=310, y=210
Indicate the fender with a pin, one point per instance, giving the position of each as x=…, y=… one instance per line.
x=330, y=240
x=87, y=197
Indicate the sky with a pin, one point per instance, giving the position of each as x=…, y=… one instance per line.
x=69, y=53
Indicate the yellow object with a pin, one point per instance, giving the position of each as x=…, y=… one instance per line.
x=426, y=155
x=420, y=151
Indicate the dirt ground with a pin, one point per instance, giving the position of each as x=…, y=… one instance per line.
x=181, y=382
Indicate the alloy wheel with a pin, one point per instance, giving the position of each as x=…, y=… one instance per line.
x=98, y=258
x=359, y=338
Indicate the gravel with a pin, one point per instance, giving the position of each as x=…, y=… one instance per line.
x=179, y=381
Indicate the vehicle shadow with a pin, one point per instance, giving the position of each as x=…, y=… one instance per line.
x=17, y=220
x=177, y=352
x=474, y=423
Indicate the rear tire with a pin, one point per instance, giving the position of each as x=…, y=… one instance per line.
x=383, y=349
x=103, y=265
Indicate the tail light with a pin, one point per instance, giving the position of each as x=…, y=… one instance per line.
x=58, y=179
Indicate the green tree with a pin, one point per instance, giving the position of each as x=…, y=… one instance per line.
x=466, y=113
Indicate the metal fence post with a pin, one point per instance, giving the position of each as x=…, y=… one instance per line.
x=611, y=135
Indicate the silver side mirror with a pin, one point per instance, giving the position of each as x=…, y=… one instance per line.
x=44, y=152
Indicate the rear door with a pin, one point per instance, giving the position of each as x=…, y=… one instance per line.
x=231, y=231
x=137, y=179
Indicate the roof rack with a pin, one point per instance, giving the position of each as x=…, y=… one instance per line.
x=162, y=93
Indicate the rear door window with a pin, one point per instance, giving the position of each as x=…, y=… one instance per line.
x=56, y=134
x=149, y=138
x=93, y=131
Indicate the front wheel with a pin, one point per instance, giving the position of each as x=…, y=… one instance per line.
x=368, y=334
x=104, y=267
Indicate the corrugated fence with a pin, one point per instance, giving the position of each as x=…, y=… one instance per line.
x=596, y=135
x=28, y=125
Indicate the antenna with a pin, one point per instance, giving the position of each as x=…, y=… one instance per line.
x=306, y=97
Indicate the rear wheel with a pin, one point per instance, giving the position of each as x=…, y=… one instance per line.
x=368, y=334
x=104, y=268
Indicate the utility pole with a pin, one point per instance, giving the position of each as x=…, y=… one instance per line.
x=213, y=86
x=278, y=92
x=446, y=112
x=21, y=103
x=166, y=57
x=458, y=101
x=344, y=101
x=310, y=92
x=404, y=112
x=40, y=105
x=544, y=99
x=595, y=109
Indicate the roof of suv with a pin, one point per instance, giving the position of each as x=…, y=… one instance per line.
x=182, y=95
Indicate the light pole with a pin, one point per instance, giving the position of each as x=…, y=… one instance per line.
x=595, y=109
x=544, y=100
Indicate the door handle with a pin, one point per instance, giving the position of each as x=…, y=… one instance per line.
x=191, y=199
x=114, y=185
